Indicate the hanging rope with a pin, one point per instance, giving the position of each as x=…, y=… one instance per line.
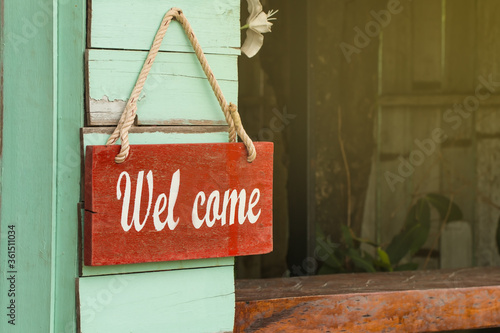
x=230, y=110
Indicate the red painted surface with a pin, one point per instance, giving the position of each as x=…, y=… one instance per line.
x=189, y=174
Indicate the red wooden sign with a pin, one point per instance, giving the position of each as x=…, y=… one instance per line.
x=176, y=202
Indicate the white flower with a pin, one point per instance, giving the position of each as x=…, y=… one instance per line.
x=257, y=24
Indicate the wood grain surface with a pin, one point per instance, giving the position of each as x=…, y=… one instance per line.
x=176, y=91
x=421, y=301
x=130, y=24
x=182, y=301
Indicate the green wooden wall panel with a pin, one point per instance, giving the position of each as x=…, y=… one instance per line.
x=194, y=300
x=28, y=161
x=99, y=136
x=176, y=92
x=131, y=24
x=70, y=113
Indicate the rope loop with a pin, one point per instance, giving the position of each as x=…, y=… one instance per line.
x=230, y=110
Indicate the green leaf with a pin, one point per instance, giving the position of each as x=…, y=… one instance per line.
x=347, y=233
x=420, y=212
x=411, y=266
x=361, y=262
x=414, y=234
x=420, y=236
x=333, y=261
x=498, y=236
x=400, y=245
x=384, y=257
x=442, y=205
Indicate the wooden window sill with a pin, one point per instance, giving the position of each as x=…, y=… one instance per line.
x=414, y=301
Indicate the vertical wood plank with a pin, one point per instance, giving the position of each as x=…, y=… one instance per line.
x=488, y=158
x=460, y=39
x=194, y=300
x=487, y=202
x=28, y=164
x=427, y=69
x=394, y=127
x=396, y=53
x=70, y=85
x=488, y=45
x=488, y=121
x=425, y=156
x=393, y=196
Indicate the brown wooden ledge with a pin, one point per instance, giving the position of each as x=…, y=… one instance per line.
x=416, y=301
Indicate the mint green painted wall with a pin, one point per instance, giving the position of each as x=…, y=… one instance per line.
x=176, y=92
x=132, y=24
x=42, y=58
x=71, y=33
x=28, y=161
x=184, y=301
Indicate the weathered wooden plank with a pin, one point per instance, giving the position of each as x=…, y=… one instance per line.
x=425, y=158
x=487, y=202
x=488, y=121
x=488, y=46
x=28, y=179
x=425, y=154
x=193, y=300
x=426, y=64
x=129, y=24
x=396, y=62
x=156, y=135
x=459, y=30
x=176, y=92
x=394, y=130
x=196, y=187
x=487, y=151
x=71, y=45
x=422, y=301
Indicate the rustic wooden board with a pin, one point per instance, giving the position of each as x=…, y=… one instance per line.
x=155, y=135
x=130, y=24
x=427, y=63
x=487, y=121
x=487, y=202
x=488, y=46
x=423, y=301
x=460, y=23
x=176, y=92
x=394, y=130
x=192, y=300
x=396, y=53
x=189, y=228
